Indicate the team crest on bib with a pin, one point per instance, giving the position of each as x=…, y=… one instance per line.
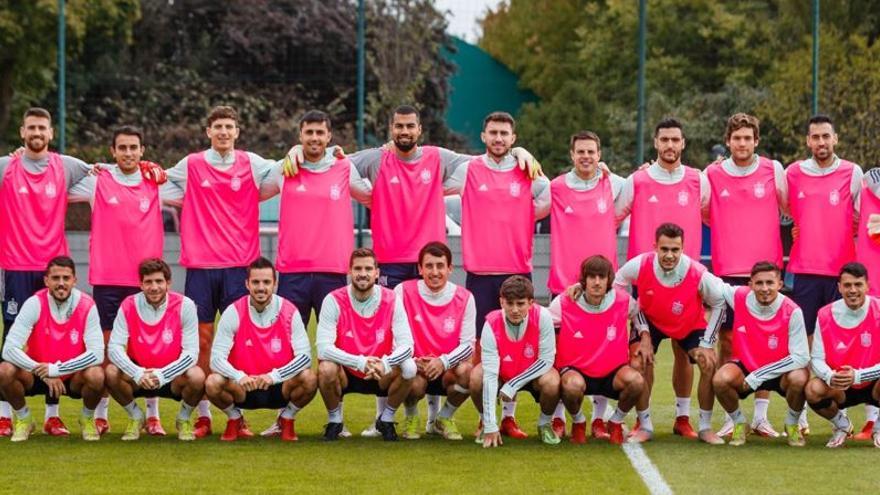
x=677, y=308
x=235, y=184
x=834, y=198
x=772, y=342
x=759, y=190
x=425, y=176
x=74, y=337
x=50, y=191
x=515, y=189
x=167, y=335
x=275, y=345
x=602, y=205
x=866, y=339
x=144, y=205
x=683, y=198
x=529, y=351
x=334, y=192
x=611, y=332
x=380, y=335
x=449, y=324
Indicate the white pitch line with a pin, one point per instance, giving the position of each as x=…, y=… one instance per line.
x=647, y=470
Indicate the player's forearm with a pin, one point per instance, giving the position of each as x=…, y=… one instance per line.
x=79, y=363
x=397, y=357
x=220, y=364
x=716, y=316
x=291, y=369
x=490, y=395
x=17, y=356
x=176, y=368
x=533, y=372
x=867, y=375
x=772, y=370
x=336, y=355
x=121, y=360
x=451, y=359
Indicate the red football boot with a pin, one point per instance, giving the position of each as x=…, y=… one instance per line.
x=615, y=433
x=288, y=433
x=558, y=425
x=579, y=433
x=5, y=427
x=598, y=429
x=102, y=425
x=683, y=427
x=235, y=428
x=866, y=433
x=511, y=429
x=154, y=427
x=202, y=428
x=55, y=427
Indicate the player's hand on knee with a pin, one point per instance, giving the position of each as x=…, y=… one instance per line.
x=492, y=440
x=248, y=383
x=434, y=368
x=263, y=382
x=843, y=378
x=56, y=387
x=41, y=371
x=375, y=368
x=149, y=380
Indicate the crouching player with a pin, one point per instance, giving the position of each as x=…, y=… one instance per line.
x=846, y=354
x=518, y=347
x=442, y=318
x=54, y=348
x=260, y=357
x=153, y=351
x=769, y=352
x=592, y=347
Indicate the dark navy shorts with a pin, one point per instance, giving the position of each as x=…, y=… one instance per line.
x=307, y=290
x=486, y=290
x=164, y=392
x=40, y=388
x=213, y=289
x=810, y=293
x=19, y=286
x=690, y=341
x=855, y=396
x=603, y=385
x=271, y=398
x=774, y=385
x=358, y=385
x=107, y=300
x=435, y=386
x=393, y=274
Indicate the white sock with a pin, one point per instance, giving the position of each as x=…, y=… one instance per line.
x=232, y=412
x=153, y=407
x=388, y=414
x=841, y=421
x=792, y=417
x=448, y=410
x=23, y=413
x=381, y=402
x=803, y=419
x=335, y=415
x=103, y=406
x=204, y=409
x=411, y=410
x=579, y=417
x=544, y=419
x=290, y=411
x=645, y=421
x=133, y=410
x=871, y=413
x=185, y=411
x=761, y=406
x=618, y=416
x=51, y=410
x=508, y=409
x=433, y=407
x=705, y=420
x=682, y=406
x=600, y=403
x=88, y=413
x=560, y=411
x=5, y=409
x=736, y=416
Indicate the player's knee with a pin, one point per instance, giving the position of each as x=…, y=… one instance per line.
x=721, y=380
x=815, y=390
x=308, y=381
x=112, y=375
x=328, y=372
x=632, y=379
x=572, y=383
x=463, y=370
x=798, y=378
x=549, y=381
x=94, y=377
x=214, y=384
x=475, y=383
x=408, y=369
x=7, y=372
x=195, y=376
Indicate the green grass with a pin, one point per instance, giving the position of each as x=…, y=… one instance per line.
x=428, y=465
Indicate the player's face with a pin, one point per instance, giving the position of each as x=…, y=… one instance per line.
x=155, y=287
x=515, y=310
x=669, y=144
x=821, y=140
x=363, y=273
x=669, y=251
x=405, y=131
x=36, y=133
x=261, y=285
x=853, y=290
x=223, y=133
x=314, y=136
x=597, y=285
x=742, y=144
x=585, y=156
x=499, y=138
x=435, y=271
x=60, y=280
x=766, y=286
x=127, y=150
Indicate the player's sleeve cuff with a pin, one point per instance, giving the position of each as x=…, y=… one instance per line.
x=508, y=391
x=753, y=382
x=53, y=371
x=705, y=344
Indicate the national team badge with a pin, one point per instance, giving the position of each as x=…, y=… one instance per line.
x=834, y=198
x=602, y=205
x=866, y=339
x=334, y=192
x=677, y=308
x=772, y=342
x=12, y=307
x=144, y=205
x=683, y=198
x=425, y=176
x=235, y=184
x=515, y=189
x=380, y=336
x=529, y=351
x=74, y=337
x=611, y=332
x=449, y=324
x=167, y=335
x=759, y=190
x=50, y=191
x=275, y=345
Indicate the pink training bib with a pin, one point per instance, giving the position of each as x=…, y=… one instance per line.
x=220, y=219
x=126, y=229
x=858, y=347
x=404, y=192
x=822, y=208
x=515, y=356
x=655, y=204
x=498, y=220
x=364, y=336
x=747, y=200
x=157, y=345
x=759, y=342
x=582, y=224
x=52, y=341
x=32, y=224
x=596, y=344
x=867, y=249
x=257, y=350
x=675, y=311
x=316, y=219
x=436, y=330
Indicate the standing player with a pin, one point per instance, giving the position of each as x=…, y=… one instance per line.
x=518, y=344
x=823, y=196
x=846, y=354
x=769, y=351
x=868, y=254
x=54, y=347
x=752, y=187
x=592, y=348
x=219, y=190
x=364, y=345
x=126, y=228
x=582, y=200
x=441, y=316
x=261, y=357
x=672, y=289
x=154, y=347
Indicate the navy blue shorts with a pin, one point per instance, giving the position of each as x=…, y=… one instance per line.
x=307, y=290
x=435, y=386
x=811, y=292
x=392, y=274
x=40, y=388
x=603, y=385
x=164, y=392
x=727, y=324
x=486, y=290
x=690, y=341
x=271, y=398
x=213, y=289
x=19, y=286
x=107, y=300
x=855, y=396
x=358, y=385
x=774, y=385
